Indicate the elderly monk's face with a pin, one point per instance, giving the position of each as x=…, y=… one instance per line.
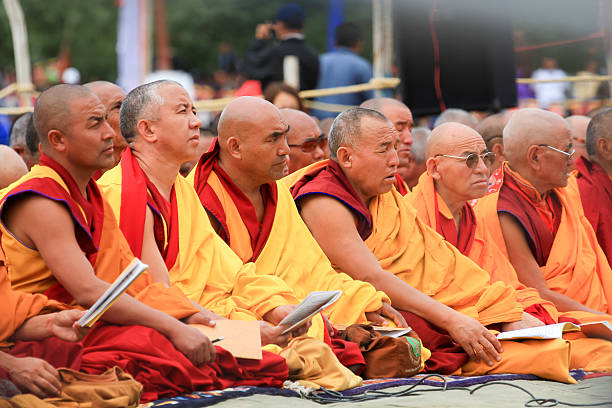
x=306, y=142
x=453, y=175
x=89, y=137
x=265, y=150
x=401, y=117
x=177, y=126
x=555, y=167
x=112, y=97
x=375, y=160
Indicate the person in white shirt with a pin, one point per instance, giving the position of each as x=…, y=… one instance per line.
x=548, y=93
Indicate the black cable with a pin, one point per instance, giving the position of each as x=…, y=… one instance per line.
x=325, y=396
x=541, y=402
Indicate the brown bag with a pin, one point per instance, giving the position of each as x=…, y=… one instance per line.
x=386, y=357
x=113, y=388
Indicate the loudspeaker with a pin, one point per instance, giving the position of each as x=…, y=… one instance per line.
x=455, y=54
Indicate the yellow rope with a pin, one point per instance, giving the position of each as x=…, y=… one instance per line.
x=582, y=78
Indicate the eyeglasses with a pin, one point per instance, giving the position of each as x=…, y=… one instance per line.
x=310, y=144
x=568, y=155
x=471, y=160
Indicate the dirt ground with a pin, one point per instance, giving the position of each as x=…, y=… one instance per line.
x=595, y=390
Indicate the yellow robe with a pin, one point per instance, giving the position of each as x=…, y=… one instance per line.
x=29, y=273
x=576, y=266
x=292, y=254
x=206, y=269
x=589, y=354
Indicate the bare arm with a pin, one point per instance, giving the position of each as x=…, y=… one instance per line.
x=338, y=237
x=527, y=268
x=46, y=226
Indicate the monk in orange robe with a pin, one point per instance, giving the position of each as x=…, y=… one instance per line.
x=408, y=170
x=59, y=237
x=36, y=336
x=458, y=169
x=161, y=217
x=306, y=142
x=255, y=214
x=539, y=224
x=594, y=178
x=371, y=232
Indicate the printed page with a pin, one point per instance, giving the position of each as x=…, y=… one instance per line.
x=551, y=331
x=310, y=306
x=601, y=330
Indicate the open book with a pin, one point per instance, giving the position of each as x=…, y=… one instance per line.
x=310, y=306
x=129, y=274
x=601, y=330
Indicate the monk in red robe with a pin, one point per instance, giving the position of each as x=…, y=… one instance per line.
x=367, y=226
x=33, y=322
x=59, y=237
x=156, y=206
x=408, y=170
x=594, y=178
x=305, y=140
x=458, y=169
x=539, y=224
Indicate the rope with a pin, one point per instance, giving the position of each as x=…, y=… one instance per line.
x=599, y=78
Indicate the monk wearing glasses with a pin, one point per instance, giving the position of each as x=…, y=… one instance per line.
x=305, y=140
x=458, y=167
x=539, y=224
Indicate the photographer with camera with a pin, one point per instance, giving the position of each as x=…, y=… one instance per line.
x=265, y=59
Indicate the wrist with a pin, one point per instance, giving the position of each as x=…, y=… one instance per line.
x=6, y=360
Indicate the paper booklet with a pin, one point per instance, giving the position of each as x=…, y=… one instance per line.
x=242, y=338
x=310, y=306
x=601, y=330
x=129, y=274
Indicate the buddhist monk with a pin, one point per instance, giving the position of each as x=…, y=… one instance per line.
x=539, y=224
x=112, y=97
x=18, y=140
x=60, y=237
x=254, y=213
x=305, y=140
x=401, y=117
x=491, y=129
x=371, y=232
x=34, y=321
x=594, y=178
x=161, y=216
x=456, y=115
x=457, y=171
x=578, y=126
x=12, y=166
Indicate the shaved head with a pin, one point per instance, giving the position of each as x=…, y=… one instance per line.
x=12, y=166
x=529, y=127
x=599, y=127
x=456, y=115
x=53, y=109
x=101, y=86
x=450, y=137
x=346, y=129
x=242, y=115
x=578, y=126
x=297, y=120
x=491, y=129
x=378, y=104
x=304, y=139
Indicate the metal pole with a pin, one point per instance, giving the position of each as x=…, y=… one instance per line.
x=382, y=39
x=20, y=46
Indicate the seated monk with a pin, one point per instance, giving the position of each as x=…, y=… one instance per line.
x=578, y=127
x=33, y=322
x=60, y=237
x=401, y=117
x=112, y=97
x=594, y=179
x=12, y=166
x=548, y=240
x=458, y=168
x=371, y=232
x=237, y=185
x=161, y=216
x=305, y=140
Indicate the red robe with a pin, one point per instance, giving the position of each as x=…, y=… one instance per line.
x=595, y=188
x=141, y=351
x=446, y=355
x=348, y=353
